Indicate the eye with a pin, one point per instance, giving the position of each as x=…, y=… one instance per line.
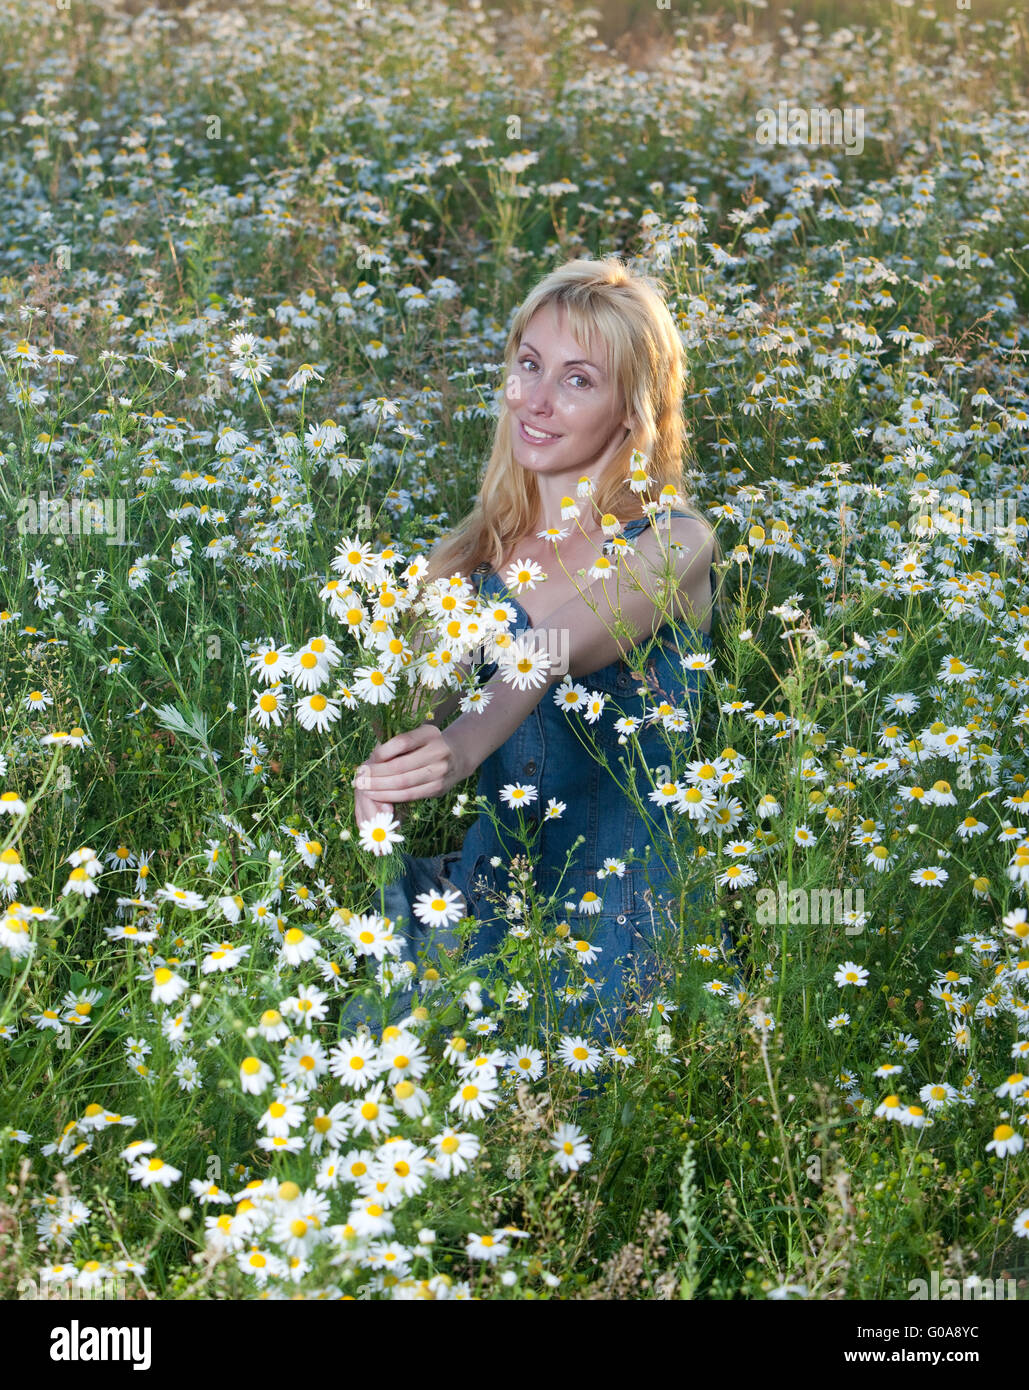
x=523, y=361
x=578, y=376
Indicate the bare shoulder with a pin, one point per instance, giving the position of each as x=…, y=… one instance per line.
x=672, y=561
x=684, y=542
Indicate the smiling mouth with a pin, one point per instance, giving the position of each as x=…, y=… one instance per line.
x=532, y=433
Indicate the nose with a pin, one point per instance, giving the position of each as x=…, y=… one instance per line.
x=539, y=395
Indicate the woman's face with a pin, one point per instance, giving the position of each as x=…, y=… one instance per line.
x=565, y=407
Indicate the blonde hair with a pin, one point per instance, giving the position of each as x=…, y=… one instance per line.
x=625, y=312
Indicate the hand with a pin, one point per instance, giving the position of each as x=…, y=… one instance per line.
x=367, y=806
x=409, y=767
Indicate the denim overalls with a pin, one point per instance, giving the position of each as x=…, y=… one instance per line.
x=563, y=757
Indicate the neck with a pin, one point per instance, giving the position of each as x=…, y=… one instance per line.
x=551, y=491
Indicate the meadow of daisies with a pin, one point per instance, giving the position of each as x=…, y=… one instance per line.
x=256, y=266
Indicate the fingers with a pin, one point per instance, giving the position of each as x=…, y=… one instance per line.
x=377, y=776
x=428, y=780
x=405, y=743
x=409, y=767
x=366, y=807
x=399, y=756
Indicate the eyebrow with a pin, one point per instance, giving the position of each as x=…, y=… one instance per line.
x=573, y=362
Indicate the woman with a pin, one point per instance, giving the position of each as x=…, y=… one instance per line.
x=595, y=372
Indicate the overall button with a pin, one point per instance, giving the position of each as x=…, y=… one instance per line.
x=621, y=919
x=530, y=767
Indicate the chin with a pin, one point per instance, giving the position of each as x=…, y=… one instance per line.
x=525, y=459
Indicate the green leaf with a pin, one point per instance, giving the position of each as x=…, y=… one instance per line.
x=192, y=724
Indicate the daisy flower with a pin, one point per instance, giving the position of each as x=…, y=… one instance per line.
x=515, y=794
x=666, y=794
x=355, y=1061
x=166, y=986
x=929, y=877
x=181, y=897
x=954, y=671
x=571, y=1148
x=1005, y=1141
x=353, y=559
x=474, y=1098
x=523, y=574
x=372, y=935
x=371, y=1115
x=569, y=695
x=269, y=709
x=280, y=1117
x=405, y=1058
x=79, y=881
x=370, y=1218
x=937, y=1095
x=455, y=1151
x=271, y=664
x=524, y=665
x=889, y=1109
x=913, y=1116
x=594, y=706
x=1016, y=1085
x=255, y=1076
x=15, y=935
x=272, y=1026
x=150, y=1170
x=49, y=1018
x=309, y=1003
x=379, y=834
x=579, y=1055
x=224, y=956
x=490, y=1248
x=298, y=947
x=879, y=858
x=850, y=973
x=584, y=951
x=439, y=910
x=316, y=712
x=697, y=803
x=303, y=1061
x=374, y=686
x=526, y=1062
